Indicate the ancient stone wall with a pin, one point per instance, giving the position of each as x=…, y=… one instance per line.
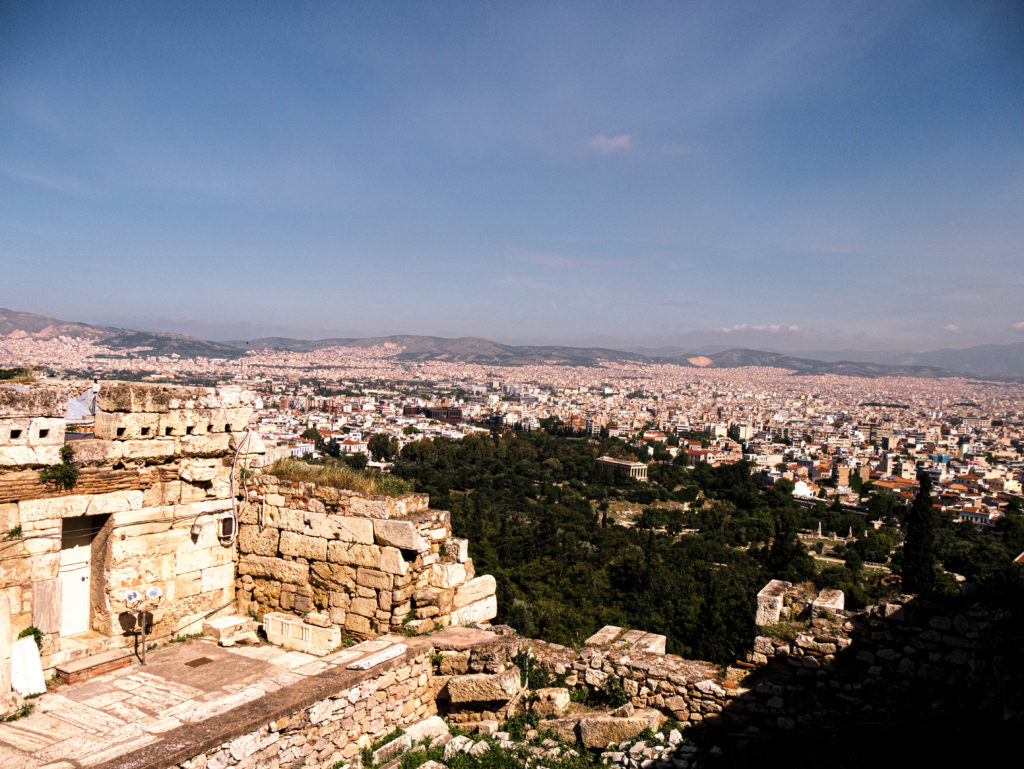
x=334, y=728
x=153, y=483
x=371, y=564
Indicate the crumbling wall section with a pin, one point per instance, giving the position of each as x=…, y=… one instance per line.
x=371, y=564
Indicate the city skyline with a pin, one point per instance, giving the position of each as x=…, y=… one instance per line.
x=797, y=177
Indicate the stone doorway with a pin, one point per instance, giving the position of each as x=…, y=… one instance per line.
x=79, y=563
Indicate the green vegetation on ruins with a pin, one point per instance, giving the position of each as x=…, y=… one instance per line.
x=336, y=474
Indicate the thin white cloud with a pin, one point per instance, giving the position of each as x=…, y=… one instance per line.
x=771, y=328
x=952, y=327
x=1019, y=326
x=605, y=144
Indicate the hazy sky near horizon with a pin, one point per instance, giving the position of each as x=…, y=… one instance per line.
x=793, y=175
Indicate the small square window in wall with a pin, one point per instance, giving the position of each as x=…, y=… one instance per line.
x=145, y=431
x=15, y=434
x=120, y=432
x=43, y=433
x=189, y=429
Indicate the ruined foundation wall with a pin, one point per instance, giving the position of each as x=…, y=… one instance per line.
x=370, y=564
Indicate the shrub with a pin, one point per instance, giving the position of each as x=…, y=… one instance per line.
x=339, y=476
x=65, y=475
x=781, y=631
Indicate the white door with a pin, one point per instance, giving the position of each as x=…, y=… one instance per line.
x=75, y=574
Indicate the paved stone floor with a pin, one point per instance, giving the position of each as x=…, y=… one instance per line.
x=85, y=724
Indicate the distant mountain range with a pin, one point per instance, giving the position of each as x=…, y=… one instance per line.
x=1003, y=362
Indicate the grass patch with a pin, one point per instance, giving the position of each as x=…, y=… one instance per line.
x=22, y=712
x=781, y=631
x=180, y=639
x=340, y=476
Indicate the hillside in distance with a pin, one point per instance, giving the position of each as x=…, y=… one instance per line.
x=24, y=325
x=1004, y=362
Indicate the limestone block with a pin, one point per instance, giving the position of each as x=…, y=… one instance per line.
x=13, y=456
x=600, y=731
x=551, y=701
x=357, y=623
x=604, y=636
x=457, y=549
x=116, y=426
x=474, y=613
x=233, y=396
x=367, y=607
x=211, y=445
x=136, y=396
x=475, y=590
x=273, y=568
x=375, y=579
x=92, y=451
x=400, y=534
x=46, y=606
x=354, y=554
x=32, y=431
x=769, y=601
x=292, y=633
x=38, y=401
x=54, y=507
x=349, y=529
x=392, y=562
x=183, y=422
x=447, y=575
x=227, y=631
x=236, y=420
x=364, y=507
x=188, y=584
x=218, y=577
x=45, y=567
x=199, y=470
x=253, y=445
x=251, y=539
x=484, y=687
x=428, y=729
x=832, y=601
x=9, y=517
x=161, y=448
x=301, y=546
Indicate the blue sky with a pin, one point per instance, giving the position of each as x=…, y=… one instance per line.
x=793, y=175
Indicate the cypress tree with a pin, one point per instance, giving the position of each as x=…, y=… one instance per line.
x=919, y=560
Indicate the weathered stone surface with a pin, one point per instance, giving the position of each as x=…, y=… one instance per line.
x=14, y=456
x=483, y=687
x=227, y=631
x=600, y=731
x=133, y=396
x=46, y=605
x=551, y=701
x=301, y=546
x=200, y=470
x=210, y=445
x=116, y=426
x=400, y=534
x=354, y=554
x=475, y=590
x=831, y=601
x=392, y=562
x=565, y=729
x=274, y=568
x=447, y=574
x=292, y=633
x=161, y=448
x=33, y=401
x=769, y=601
x=252, y=539
x=481, y=611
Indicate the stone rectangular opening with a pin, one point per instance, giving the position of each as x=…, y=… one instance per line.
x=120, y=432
x=44, y=432
x=82, y=556
x=167, y=431
x=144, y=431
x=189, y=429
x=15, y=434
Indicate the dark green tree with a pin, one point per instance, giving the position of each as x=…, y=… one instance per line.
x=919, y=552
x=382, y=446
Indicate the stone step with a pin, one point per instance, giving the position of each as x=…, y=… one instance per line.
x=89, y=667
